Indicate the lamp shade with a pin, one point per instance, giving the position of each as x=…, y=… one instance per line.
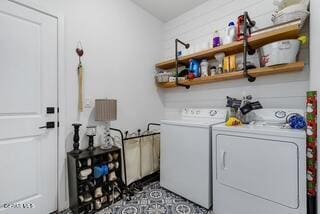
x=106, y=110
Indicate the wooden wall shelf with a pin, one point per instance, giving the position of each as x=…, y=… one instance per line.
x=256, y=41
x=294, y=67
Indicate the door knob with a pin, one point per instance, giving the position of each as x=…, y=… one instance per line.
x=49, y=125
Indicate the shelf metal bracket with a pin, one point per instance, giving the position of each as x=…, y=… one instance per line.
x=177, y=41
x=247, y=25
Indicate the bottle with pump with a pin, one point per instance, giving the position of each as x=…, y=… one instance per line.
x=230, y=33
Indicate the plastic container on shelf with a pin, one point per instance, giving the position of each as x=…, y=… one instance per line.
x=213, y=67
x=195, y=68
x=230, y=34
x=303, y=4
x=163, y=77
x=204, y=68
x=281, y=52
x=280, y=17
x=216, y=39
x=219, y=57
x=289, y=10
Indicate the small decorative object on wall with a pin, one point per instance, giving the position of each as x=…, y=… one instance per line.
x=80, y=53
x=312, y=151
x=91, y=132
x=76, y=138
x=106, y=110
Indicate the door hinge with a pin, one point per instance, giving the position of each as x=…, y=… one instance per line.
x=50, y=110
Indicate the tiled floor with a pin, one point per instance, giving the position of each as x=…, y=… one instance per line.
x=155, y=200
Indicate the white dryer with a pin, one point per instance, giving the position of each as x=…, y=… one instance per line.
x=260, y=168
x=185, y=162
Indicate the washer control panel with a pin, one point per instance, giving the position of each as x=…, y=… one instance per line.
x=204, y=113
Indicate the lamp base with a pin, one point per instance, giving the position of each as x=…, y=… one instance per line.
x=108, y=141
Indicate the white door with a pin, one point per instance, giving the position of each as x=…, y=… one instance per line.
x=264, y=168
x=28, y=85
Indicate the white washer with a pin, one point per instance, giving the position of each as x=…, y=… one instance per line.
x=259, y=168
x=185, y=163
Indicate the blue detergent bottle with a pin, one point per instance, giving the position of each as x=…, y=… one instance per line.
x=195, y=68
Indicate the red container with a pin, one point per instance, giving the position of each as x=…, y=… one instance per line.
x=240, y=24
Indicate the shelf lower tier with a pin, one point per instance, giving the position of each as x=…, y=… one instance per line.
x=293, y=67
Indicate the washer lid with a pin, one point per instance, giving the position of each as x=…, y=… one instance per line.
x=263, y=129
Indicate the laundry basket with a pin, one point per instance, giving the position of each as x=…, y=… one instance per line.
x=146, y=145
x=150, y=154
x=156, y=153
x=132, y=151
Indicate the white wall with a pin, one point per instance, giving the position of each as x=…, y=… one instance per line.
x=122, y=43
x=197, y=26
x=314, y=63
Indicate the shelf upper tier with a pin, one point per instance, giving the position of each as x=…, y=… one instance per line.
x=256, y=41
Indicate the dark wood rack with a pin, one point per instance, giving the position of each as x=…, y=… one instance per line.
x=98, y=157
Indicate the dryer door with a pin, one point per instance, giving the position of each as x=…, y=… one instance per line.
x=264, y=168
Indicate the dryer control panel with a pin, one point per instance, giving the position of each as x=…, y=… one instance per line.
x=276, y=115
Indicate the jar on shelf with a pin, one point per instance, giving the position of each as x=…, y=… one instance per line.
x=204, y=68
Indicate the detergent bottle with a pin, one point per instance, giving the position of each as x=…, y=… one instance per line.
x=216, y=39
x=230, y=33
x=195, y=68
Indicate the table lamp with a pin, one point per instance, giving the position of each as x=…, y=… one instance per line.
x=106, y=110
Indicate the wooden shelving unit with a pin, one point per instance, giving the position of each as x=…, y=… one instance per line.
x=256, y=41
x=294, y=67
x=78, y=187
